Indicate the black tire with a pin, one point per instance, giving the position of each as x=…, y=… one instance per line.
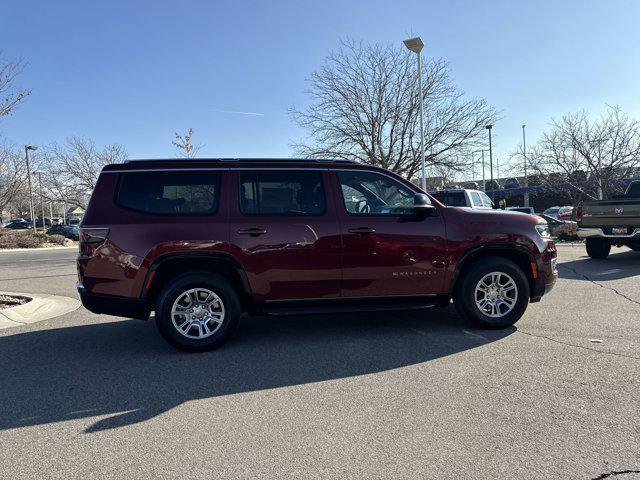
x=634, y=246
x=465, y=295
x=598, y=248
x=177, y=287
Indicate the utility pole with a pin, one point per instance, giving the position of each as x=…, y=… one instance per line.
x=484, y=180
x=526, y=178
x=489, y=127
x=31, y=211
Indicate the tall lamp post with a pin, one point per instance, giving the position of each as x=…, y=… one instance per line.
x=526, y=178
x=415, y=45
x=39, y=174
x=489, y=127
x=31, y=211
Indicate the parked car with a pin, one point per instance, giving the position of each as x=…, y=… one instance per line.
x=606, y=223
x=471, y=185
x=556, y=226
x=40, y=222
x=552, y=212
x=71, y=231
x=461, y=197
x=528, y=210
x=18, y=225
x=201, y=241
x=511, y=183
x=565, y=213
x=488, y=185
x=56, y=230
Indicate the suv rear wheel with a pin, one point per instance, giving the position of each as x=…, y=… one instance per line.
x=197, y=312
x=598, y=248
x=494, y=293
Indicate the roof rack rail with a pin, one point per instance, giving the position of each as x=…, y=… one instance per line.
x=250, y=160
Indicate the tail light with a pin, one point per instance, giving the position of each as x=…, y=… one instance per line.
x=579, y=213
x=91, y=238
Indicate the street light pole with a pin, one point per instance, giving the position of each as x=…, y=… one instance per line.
x=489, y=127
x=41, y=199
x=526, y=178
x=415, y=45
x=31, y=211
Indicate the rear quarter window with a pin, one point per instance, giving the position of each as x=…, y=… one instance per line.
x=170, y=193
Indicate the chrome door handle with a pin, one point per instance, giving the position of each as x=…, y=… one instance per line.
x=362, y=230
x=253, y=232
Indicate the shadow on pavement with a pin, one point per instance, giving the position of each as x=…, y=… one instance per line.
x=124, y=369
x=616, y=266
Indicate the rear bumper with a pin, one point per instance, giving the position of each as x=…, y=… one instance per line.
x=114, y=305
x=585, y=232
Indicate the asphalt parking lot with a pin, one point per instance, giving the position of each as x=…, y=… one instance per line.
x=393, y=395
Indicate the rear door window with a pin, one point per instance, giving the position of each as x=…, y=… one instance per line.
x=477, y=201
x=170, y=193
x=286, y=192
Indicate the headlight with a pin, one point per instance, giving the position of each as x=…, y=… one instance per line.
x=543, y=230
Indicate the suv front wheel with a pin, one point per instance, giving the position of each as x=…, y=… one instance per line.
x=494, y=293
x=197, y=312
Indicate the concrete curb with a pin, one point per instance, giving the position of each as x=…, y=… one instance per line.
x=38, y=249
x=41, y=307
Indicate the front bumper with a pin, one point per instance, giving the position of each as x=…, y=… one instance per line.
x=546, y=273
x=585, y=232
x=113, y=304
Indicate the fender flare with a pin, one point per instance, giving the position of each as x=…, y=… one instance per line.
x=520, y=249
x=221, y=256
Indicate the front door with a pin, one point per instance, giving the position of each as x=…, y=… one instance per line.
x=284, y=232
x=387, y=250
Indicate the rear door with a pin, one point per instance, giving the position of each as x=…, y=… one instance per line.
x=387, y=250
x=284, y=232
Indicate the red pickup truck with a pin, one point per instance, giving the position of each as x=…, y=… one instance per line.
x=199, y=242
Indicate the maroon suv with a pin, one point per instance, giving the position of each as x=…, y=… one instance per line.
x=199, y=242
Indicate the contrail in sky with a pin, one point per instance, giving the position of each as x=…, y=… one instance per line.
x=238, y=113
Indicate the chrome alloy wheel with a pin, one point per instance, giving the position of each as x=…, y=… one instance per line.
x=197, y=313
x=496, y=294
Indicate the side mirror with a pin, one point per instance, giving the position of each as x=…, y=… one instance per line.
x=422, y=204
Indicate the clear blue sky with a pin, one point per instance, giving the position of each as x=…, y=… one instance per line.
x=133, y=72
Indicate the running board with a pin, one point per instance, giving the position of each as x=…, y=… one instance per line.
x=333, y=309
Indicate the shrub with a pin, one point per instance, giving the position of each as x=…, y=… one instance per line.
x=12, y=239
x=59, y=239
x=566, y=232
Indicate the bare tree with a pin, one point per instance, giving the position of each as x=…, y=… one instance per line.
x=185, y=147
x=590, y=157
x=74, y=168
x=365, y=106
x=10, y=97
x=12, y=177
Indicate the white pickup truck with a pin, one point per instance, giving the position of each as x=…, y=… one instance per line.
x=462, y=197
